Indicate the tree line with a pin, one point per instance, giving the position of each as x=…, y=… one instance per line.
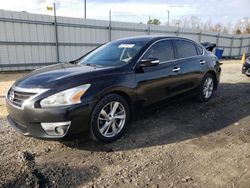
x=242, y=26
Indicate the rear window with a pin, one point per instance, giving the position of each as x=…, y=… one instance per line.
x=185, y=48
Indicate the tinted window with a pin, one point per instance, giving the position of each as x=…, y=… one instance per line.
x=185, y=48
x=199, y=50
x=114, y=53
x=162, y=50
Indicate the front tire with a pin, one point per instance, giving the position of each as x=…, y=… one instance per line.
x=248, y=72
x=206, y=88
x=109, y=118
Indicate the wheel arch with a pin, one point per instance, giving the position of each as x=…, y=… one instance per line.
x=215, y=78
x=127, y=98
x=123, y=92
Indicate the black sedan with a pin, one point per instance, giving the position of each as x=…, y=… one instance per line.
x=246, y=66
x=100, y=92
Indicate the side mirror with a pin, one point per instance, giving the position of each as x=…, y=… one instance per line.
x=149, y=62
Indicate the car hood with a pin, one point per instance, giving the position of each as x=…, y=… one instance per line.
x=55, y=75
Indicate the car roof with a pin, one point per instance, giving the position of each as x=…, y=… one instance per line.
x=150, y=38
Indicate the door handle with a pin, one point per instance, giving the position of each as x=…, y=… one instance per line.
x=176, y=69
x=202, y=62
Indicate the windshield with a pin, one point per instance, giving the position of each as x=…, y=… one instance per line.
x=115, y=53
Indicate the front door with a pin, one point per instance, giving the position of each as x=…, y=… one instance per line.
x=159, y=82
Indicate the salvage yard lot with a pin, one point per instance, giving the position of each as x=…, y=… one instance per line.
x=185, y=144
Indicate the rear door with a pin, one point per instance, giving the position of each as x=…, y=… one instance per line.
x=192, y=63
x=158, y=82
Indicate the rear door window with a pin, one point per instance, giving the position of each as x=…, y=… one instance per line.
x=199, y=50
x=163, y=50
x=185, y=48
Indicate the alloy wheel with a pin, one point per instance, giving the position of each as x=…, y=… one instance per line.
x=208, y=87
x=111, y=119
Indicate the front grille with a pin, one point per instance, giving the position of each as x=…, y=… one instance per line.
x=17, y=98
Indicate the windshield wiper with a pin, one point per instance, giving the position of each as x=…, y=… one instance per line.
x=91, y=64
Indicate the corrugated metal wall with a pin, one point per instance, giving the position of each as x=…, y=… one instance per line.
x=28, y=41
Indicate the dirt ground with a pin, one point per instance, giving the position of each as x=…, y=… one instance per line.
x=185, y=144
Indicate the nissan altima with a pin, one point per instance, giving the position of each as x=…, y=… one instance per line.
x=100, y=92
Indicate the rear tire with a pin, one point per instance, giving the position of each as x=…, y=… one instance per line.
x=206, y=88
x=109, y=118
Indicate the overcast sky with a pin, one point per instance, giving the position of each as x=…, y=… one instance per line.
x=138, y=10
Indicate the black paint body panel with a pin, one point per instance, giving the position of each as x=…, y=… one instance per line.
x=141, y=86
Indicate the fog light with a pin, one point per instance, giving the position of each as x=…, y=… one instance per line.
x=57, y=129
x=60, y=130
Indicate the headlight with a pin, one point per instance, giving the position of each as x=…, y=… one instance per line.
x=66, y=97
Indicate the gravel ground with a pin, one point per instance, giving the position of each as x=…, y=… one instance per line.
x=185, y=144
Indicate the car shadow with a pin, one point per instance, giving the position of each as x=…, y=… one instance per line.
x=182, y=120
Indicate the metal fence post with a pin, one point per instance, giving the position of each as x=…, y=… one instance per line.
x=217, y=40
x=56, y=35
x=149, y=25
x=200, y=34
x=231, y=46
x=249, y=46
x=148, y=29
x=241, y=42
x=110, y=28
x=178, y=30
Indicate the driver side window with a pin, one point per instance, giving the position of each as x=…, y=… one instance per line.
x=163, y=50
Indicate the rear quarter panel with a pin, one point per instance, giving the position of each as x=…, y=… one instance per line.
x=213, y=64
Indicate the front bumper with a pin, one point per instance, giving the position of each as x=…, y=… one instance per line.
x=27, y=120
